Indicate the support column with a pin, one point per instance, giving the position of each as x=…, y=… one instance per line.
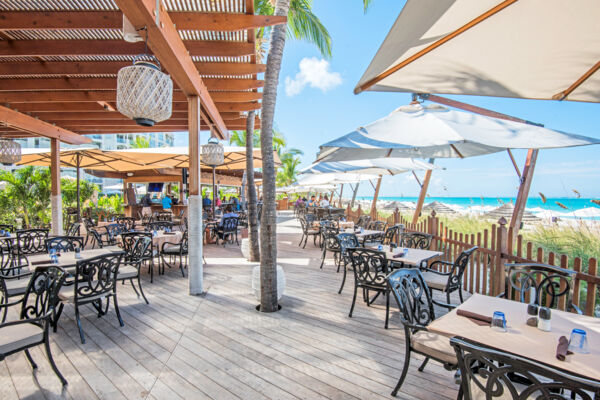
x=55, y=197
x=195, y=237
x=423, y=193
x=375, y=196
x=354, y=195
x=527, y=177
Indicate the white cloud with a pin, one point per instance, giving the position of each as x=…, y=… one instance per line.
x=314, y=73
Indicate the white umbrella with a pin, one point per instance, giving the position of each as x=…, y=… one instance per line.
x=377, y=166
x=333, y=178
x=434, y=131
x=533, y=49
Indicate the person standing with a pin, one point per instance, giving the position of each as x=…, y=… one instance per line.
x=167, y=202
x=146, y=205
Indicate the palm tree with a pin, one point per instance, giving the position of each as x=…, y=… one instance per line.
x=286, y=174
x=302, y=24
x=252, y=201
x=140, y=142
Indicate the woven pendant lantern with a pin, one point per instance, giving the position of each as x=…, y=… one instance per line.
x=10, y=152
x=144, y=93
x=213, y=153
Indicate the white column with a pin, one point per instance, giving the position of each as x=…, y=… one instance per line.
x=55, y=196
x=195, y=266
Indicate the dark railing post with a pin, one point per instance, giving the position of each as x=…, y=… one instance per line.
x=502, y=257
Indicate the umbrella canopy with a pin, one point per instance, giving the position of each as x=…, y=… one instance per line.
x=434, y=131
x=83, y=157
x=506, y=210
x=439, y=208
x=306, y=189
x=526, y=49
x=377, y=166
x=333, y=179
x=178, y=157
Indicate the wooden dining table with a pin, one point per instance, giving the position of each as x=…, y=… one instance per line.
x=67, y=260
x=413, y=257
x=522, y=339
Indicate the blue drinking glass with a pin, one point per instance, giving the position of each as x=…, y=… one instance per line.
x=499, y=322
x=578, y=342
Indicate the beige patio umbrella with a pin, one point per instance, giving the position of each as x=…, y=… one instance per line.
x=506, y=210
x=536, y=49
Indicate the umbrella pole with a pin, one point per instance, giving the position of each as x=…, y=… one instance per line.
x=354, y=195
x=78, y=199
x=213, y=192
x=375, y=196
x=341, y=193
x=527, y=177
x=422, y=195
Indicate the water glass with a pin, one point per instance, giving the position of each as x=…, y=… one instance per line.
x=499, y=322
x=77, y=253
x=578, y=342
x=1, y=232
x=380, y=247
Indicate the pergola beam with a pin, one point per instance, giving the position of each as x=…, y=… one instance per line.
x=24, y=20
x=112, y=67
x=40, y=96
x=167, y=46
x=75, y=83
x=94, y=107
x=23, y=122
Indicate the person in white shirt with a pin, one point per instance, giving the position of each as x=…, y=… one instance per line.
x=324, y=202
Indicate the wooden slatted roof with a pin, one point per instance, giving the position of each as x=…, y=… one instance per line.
x=59, y=62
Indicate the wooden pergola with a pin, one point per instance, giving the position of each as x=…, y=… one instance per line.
x=59, y=64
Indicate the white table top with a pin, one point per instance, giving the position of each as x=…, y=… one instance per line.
x=67, y=260
x=412, y=257
x=366, y=232
x=523, y=339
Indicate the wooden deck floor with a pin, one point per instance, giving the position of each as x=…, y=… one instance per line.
x=218, y=347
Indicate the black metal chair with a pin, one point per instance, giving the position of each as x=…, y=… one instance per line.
x=128, y=222
x=7, y=228
x=112, y=231
x=88, y=224
x=363, y=221
x=97, y=238
x=416, y=240
x=163, y=216
x=73, y=229
x=308, y=230
x=95, y=280
x=448, y=282
x=540, y=284
x=132, y=263
x=31, y=241
x=377, y=225
x=146, y=219
x=128, y=240
x=416, y=312
x=488, y=373
x=14, y=278
x=171, y=250
x=37, y=307
x=64, y=243
x=370, y=270
x=325, y=223
x=392, y=235
x=227, y=230
x=346, y=241
x=331, y=244
x=159, y=226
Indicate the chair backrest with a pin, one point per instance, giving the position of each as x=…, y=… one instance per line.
x=129, y=239
x=32, y=241
x=392, y=234
x=96, y=277
x=64, y=243
x=412, y=296
x=128, y=222
x=310, y=218
x=458, y=268
x=7, y=228
x=73, y=229
x=96, y=236
x=330, y=238
x=139, y=251
x=184, y=242
x=6, y=259
x=346, y=241
x=416, y=240
x=540, y=284
x=496, y=374
x=41, y=295
x=369, y=266
x=230, y=224
x=363, y=221
x=146, y=219
x=163, y=216
x=88, y=223
x=159, y=226
x=376, y=225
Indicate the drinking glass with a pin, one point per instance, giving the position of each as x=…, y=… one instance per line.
x=380, y=247
x=499, y=322
x=578, y=342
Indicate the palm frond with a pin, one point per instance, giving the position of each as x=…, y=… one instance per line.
x=303, y=24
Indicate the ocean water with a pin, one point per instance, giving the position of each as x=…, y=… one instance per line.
x=533, y=203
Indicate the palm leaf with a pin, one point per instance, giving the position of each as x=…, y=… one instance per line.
x=303, y=24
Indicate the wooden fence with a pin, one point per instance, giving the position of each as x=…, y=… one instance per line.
x=485, y=273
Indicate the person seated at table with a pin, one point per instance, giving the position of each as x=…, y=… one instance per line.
x=229, y=213
x=206, y=202
x=236, y=203
x=167, y=202
x=324, y=202
x=299, y=202
x=312, y=202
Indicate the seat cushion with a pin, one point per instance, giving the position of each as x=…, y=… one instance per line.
x=171, y=249
x=437, y=346
x=127, y=271
x=67, y=294
x=312, y=231
x=16, y=287
x=14, y=337
x=435, y=281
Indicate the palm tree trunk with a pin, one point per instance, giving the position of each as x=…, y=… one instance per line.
x=252, y=211
x=268, y=232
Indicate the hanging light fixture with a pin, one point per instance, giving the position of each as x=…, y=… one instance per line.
x=10, y=152
x=213, y=154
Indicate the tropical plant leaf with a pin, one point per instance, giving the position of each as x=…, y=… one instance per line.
x=577, y=194
x=561, y=205
x=597, y=202
x=542, y=197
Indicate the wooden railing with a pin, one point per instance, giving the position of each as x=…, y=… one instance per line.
x=485, y=273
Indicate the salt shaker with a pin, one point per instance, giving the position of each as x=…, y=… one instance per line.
x=532, y=315
x=544, y=319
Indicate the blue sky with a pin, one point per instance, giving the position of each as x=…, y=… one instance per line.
x=319, y=105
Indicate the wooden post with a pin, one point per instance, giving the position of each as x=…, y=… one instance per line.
x=501, y=259
x=434, y=224
x=375, y=196
x=422, y=195
x=55, y=198
x=195, y=237
x=527, y=177
x=341, y=193
x=354, y=195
